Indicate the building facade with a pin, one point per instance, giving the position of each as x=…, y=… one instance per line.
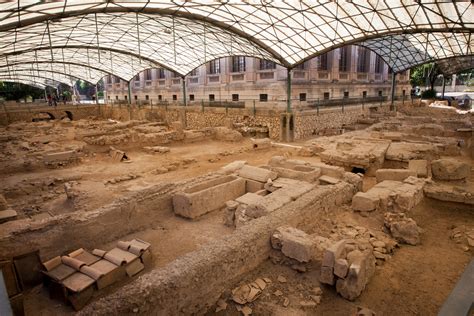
x=350, y=72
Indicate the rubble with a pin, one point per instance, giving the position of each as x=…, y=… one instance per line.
x=157, y=149
x=293, y=243
x=349, y=271
x=403, y=229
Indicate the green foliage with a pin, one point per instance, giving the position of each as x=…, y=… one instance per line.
x=425, y=74
x=18, y=91
x=428, y=94
x=417, y=76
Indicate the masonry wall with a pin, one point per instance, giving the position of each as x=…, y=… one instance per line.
x=310, y=123
x=26, y=113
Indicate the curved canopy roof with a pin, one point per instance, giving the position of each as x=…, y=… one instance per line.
x=451, y=66
x=181, y=35
x=27, y=82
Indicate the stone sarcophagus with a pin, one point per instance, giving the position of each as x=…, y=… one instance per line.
x=207, y=196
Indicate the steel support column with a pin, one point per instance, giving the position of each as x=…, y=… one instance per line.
x=96, y=95
x=288, y=90
x=444, y=87
x=129, y=93
x=392, y=99
x=183, y=79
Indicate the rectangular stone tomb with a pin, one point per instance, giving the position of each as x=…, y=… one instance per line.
x=207, y=196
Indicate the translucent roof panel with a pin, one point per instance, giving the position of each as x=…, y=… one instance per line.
x=181, y=35
x=42, y=76
x=73, y=70
x=122, y=65
x=402, y=52
x=176, y=43
x=27, y=82
x=455, y=65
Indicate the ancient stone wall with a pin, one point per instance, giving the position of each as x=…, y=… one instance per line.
x=194, y=117
x=214, y=266
x=310, y=123
x=26, y=113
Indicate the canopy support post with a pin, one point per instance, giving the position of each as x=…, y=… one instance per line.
x=129, y=93
x=288, y=90
x=392, y=99
x=183, y=79
x=444, y=87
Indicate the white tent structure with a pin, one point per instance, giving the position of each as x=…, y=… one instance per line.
x=123, y=37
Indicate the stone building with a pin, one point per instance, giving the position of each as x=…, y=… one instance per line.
x=350, y=72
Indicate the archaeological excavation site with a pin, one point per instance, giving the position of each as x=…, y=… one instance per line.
x=149, y=216
x=205, y=157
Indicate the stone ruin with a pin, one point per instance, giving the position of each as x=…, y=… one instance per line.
x=287, y=211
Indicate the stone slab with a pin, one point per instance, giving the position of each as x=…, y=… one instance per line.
x=394, y=174
x=420, y=166
x=253, y=186
x=257, y=174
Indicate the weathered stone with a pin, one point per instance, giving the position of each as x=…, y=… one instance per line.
x=207, y=196
x=341, y=267
x=227, y=134
x=404, y=151
x=250, y=198
x=3, y=203
x=293, y=243
x=257, y=174
x=390, y=195
x=7, y=215
x=458, y=194
x=367, y=154
x=177, y=126
x=403, y=229
x=450, y=169
x=302, y=173
x=362, y=267
x=233, y=166
x=393, y=174
x=253, y=186
x=157, y=149
x=420, y=167
x=323, y=180
x=327, y=275
x=60, y=157
x=334, y=252
x=261, y=143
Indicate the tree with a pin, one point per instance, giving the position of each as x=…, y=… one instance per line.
x=424, y=75
x=18, y=91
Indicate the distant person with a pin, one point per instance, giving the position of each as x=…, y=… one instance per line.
x=64, y=98
x=55, y=100
x=50, y=100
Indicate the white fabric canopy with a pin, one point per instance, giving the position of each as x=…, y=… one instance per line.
x=124, y=37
